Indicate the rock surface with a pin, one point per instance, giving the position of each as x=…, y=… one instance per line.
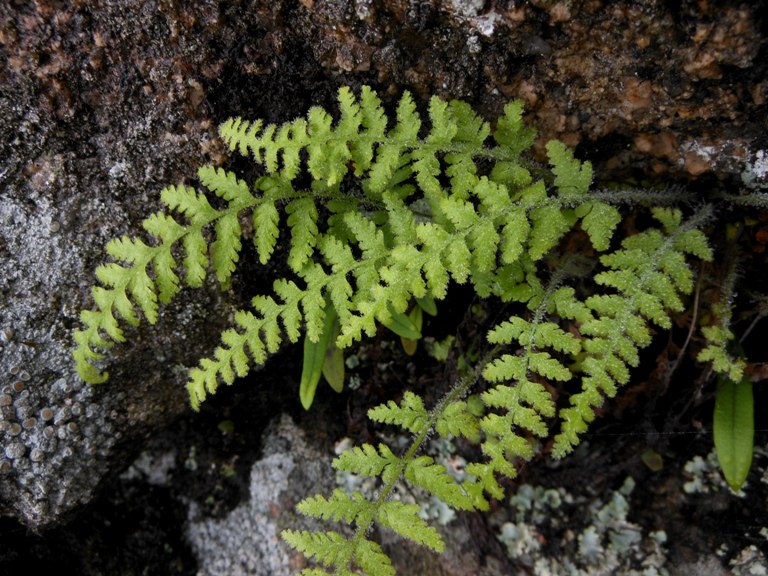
x=102, y=105
x=247, y=540
x=76, y=139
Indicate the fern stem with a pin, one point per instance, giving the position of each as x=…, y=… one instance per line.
x=753, y=199
x=456, y=393
x=673, y=195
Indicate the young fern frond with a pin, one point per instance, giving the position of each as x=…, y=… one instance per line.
x=720, y=338
x=381, y=462
x=645, y=277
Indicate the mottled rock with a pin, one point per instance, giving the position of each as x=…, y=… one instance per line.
x=67, y=123
x=247, y=541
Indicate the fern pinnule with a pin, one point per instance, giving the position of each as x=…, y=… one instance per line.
x=334, y=550
x=369, y=461
x=410, y=414
x=328, y=547
x=511, y=133
x=405, y=520
x=424, y=472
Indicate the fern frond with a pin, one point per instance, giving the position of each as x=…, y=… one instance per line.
x=419, y=471
x=256, y=336
x=380, y=212
x=144, y=274
x=649, y=280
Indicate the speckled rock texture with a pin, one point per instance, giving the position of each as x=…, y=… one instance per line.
x=102, y=104
x=84, y=150
x=247, y=540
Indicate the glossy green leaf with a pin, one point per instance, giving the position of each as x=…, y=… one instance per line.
x=409, y=344
x=734, y=429
x=428, y=305
x=315, y=358
x=403, y=326
x=333, y=367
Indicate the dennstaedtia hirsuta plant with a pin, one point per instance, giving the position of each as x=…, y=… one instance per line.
x=382, y=213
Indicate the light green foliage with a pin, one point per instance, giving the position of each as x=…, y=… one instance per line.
x=410, y=414
x=734, y=429
x=648, y=275
x=320, y=357
x=144, y=273
x=719, y=337
x=642, y=279
x=371, y=256
x=381, y=215
x=734, y=414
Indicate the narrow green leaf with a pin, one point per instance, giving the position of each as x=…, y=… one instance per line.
x=333, y=367
x=314, y=359
x=402, y=325
x=734, y=429
x=428, y=305
x=410, y=344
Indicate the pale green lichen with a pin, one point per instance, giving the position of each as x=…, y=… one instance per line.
x=705, y=476
x=608, y=544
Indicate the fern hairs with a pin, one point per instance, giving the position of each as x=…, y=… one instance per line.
x=382, y=214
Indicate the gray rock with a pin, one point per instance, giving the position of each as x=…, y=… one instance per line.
x=247, y=541
x=74, y=172
x=59, y=434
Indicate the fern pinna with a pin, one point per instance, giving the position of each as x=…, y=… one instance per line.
x=381, y=212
